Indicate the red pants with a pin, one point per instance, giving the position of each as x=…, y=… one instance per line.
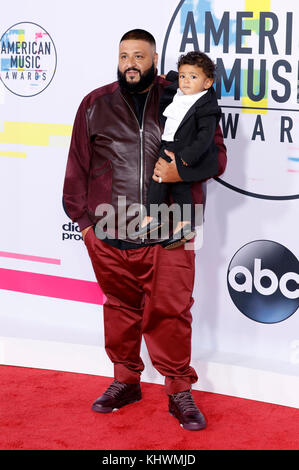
x=149, y=293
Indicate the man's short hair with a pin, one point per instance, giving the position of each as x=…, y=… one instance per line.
x=201, y=60
x=139, y=34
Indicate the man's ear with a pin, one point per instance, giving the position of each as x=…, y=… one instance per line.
x=156, y=59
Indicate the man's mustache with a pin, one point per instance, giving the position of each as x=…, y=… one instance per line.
x=132, y=68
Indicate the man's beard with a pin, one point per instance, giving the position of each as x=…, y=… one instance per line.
x=146, y=79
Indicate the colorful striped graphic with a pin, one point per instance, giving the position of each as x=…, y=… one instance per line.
x=293, y=164
x=38, y=259
x=21, y=38
x=255, y=6
x=32, y=133
x=51, y=286
x=4, y=153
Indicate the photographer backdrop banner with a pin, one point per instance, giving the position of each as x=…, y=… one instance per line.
x=245, y=315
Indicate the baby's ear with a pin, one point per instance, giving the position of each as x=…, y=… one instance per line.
x=208, y=83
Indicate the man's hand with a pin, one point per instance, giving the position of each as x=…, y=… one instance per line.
x=85, y=230
x=167, y=171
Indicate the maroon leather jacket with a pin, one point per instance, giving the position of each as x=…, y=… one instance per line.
x=110, y=155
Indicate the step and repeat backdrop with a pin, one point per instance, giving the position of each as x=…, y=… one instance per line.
x=245, y=314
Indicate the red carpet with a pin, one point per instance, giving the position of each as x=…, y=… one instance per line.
x=43, y=409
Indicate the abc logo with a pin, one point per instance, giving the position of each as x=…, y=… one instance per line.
x=263, y=281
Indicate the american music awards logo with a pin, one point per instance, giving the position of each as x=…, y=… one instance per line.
x=255, y=48
x=28, y=59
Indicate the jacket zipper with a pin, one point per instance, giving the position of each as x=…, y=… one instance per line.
x=141, y=147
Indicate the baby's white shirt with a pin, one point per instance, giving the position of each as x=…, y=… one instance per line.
x=176, y=111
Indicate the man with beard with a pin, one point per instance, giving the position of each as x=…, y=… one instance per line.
x=113, y=152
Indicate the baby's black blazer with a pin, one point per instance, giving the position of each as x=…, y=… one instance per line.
x=194, y=138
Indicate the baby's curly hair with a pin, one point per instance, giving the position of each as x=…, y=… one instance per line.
x=201, y=60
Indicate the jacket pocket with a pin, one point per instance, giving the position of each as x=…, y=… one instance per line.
x=96, y=172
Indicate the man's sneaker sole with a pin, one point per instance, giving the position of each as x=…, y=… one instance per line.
x=190, y=426
x=109, y=409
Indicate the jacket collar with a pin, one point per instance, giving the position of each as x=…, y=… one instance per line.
x=199, y=103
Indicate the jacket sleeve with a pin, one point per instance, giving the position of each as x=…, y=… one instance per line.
x=210, y=167
x=222, y=156
x=191, y=153
x=75, y=188
x=172, y=76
